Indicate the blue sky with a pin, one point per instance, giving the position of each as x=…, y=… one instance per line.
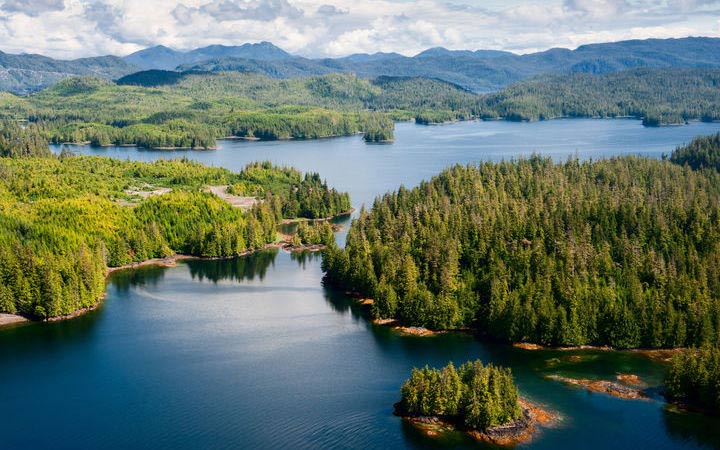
x=77, y=28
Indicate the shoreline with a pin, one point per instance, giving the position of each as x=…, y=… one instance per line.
x=8, y=320
x=655, y=354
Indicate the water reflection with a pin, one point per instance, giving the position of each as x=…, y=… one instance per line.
x=144, y=276
x=245, y=268
x=304, y=257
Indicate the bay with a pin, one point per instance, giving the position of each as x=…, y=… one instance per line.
x=255, y=352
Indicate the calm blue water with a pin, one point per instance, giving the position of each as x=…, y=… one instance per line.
x=255, y=353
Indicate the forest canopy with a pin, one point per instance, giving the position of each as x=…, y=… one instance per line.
x=701, y=152
x=65, y=219
x=622, y=252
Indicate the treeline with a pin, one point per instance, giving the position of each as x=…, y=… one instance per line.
x=305, y=196
x=475, y=396
x=64, y=220
x=313, y=233
x=694, y=378
x=21, y=140
x=177, y=133
x=622, y=252
x=701, y=152
x=304, y=123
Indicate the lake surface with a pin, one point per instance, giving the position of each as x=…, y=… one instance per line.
x=254, y=352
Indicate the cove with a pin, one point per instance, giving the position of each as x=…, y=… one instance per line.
x=254, y=352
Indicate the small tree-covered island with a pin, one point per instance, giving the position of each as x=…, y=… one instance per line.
x=64, y=220
x=479, y=399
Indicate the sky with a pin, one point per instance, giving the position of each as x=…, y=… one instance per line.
x=319, y=28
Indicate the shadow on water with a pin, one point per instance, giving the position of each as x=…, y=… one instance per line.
x=51, y=335
x=341, y=302
x=245, y=268
x=692, y=428
x=419, y=439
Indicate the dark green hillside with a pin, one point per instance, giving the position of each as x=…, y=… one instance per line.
x=667, y=96
x=622, y=252
x=702, y=152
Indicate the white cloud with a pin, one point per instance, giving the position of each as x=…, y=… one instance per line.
x=76, y=28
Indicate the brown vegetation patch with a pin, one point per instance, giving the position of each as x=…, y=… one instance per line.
x=611, y=388
x=244, y=203
x=416, y=331
x=11, y=319
x=630, y=379
x=528, y=346
x=660, y=355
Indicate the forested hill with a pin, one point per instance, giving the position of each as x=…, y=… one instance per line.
x=64, y=220
x=702, y=152
x=658, y=96
x=191, y=110
x=622, y=252
x=172, y=109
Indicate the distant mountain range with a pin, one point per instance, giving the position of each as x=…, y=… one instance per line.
x=483, y=70
x=161, y=57
x=479, y=71
x=21, y=74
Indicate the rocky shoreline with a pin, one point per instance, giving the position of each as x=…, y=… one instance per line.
x=520, y=430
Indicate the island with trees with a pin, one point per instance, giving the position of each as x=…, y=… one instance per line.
x=64, y=220
x=479, y=399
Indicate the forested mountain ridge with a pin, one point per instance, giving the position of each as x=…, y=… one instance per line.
x=621, y=252
x=22, y=74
